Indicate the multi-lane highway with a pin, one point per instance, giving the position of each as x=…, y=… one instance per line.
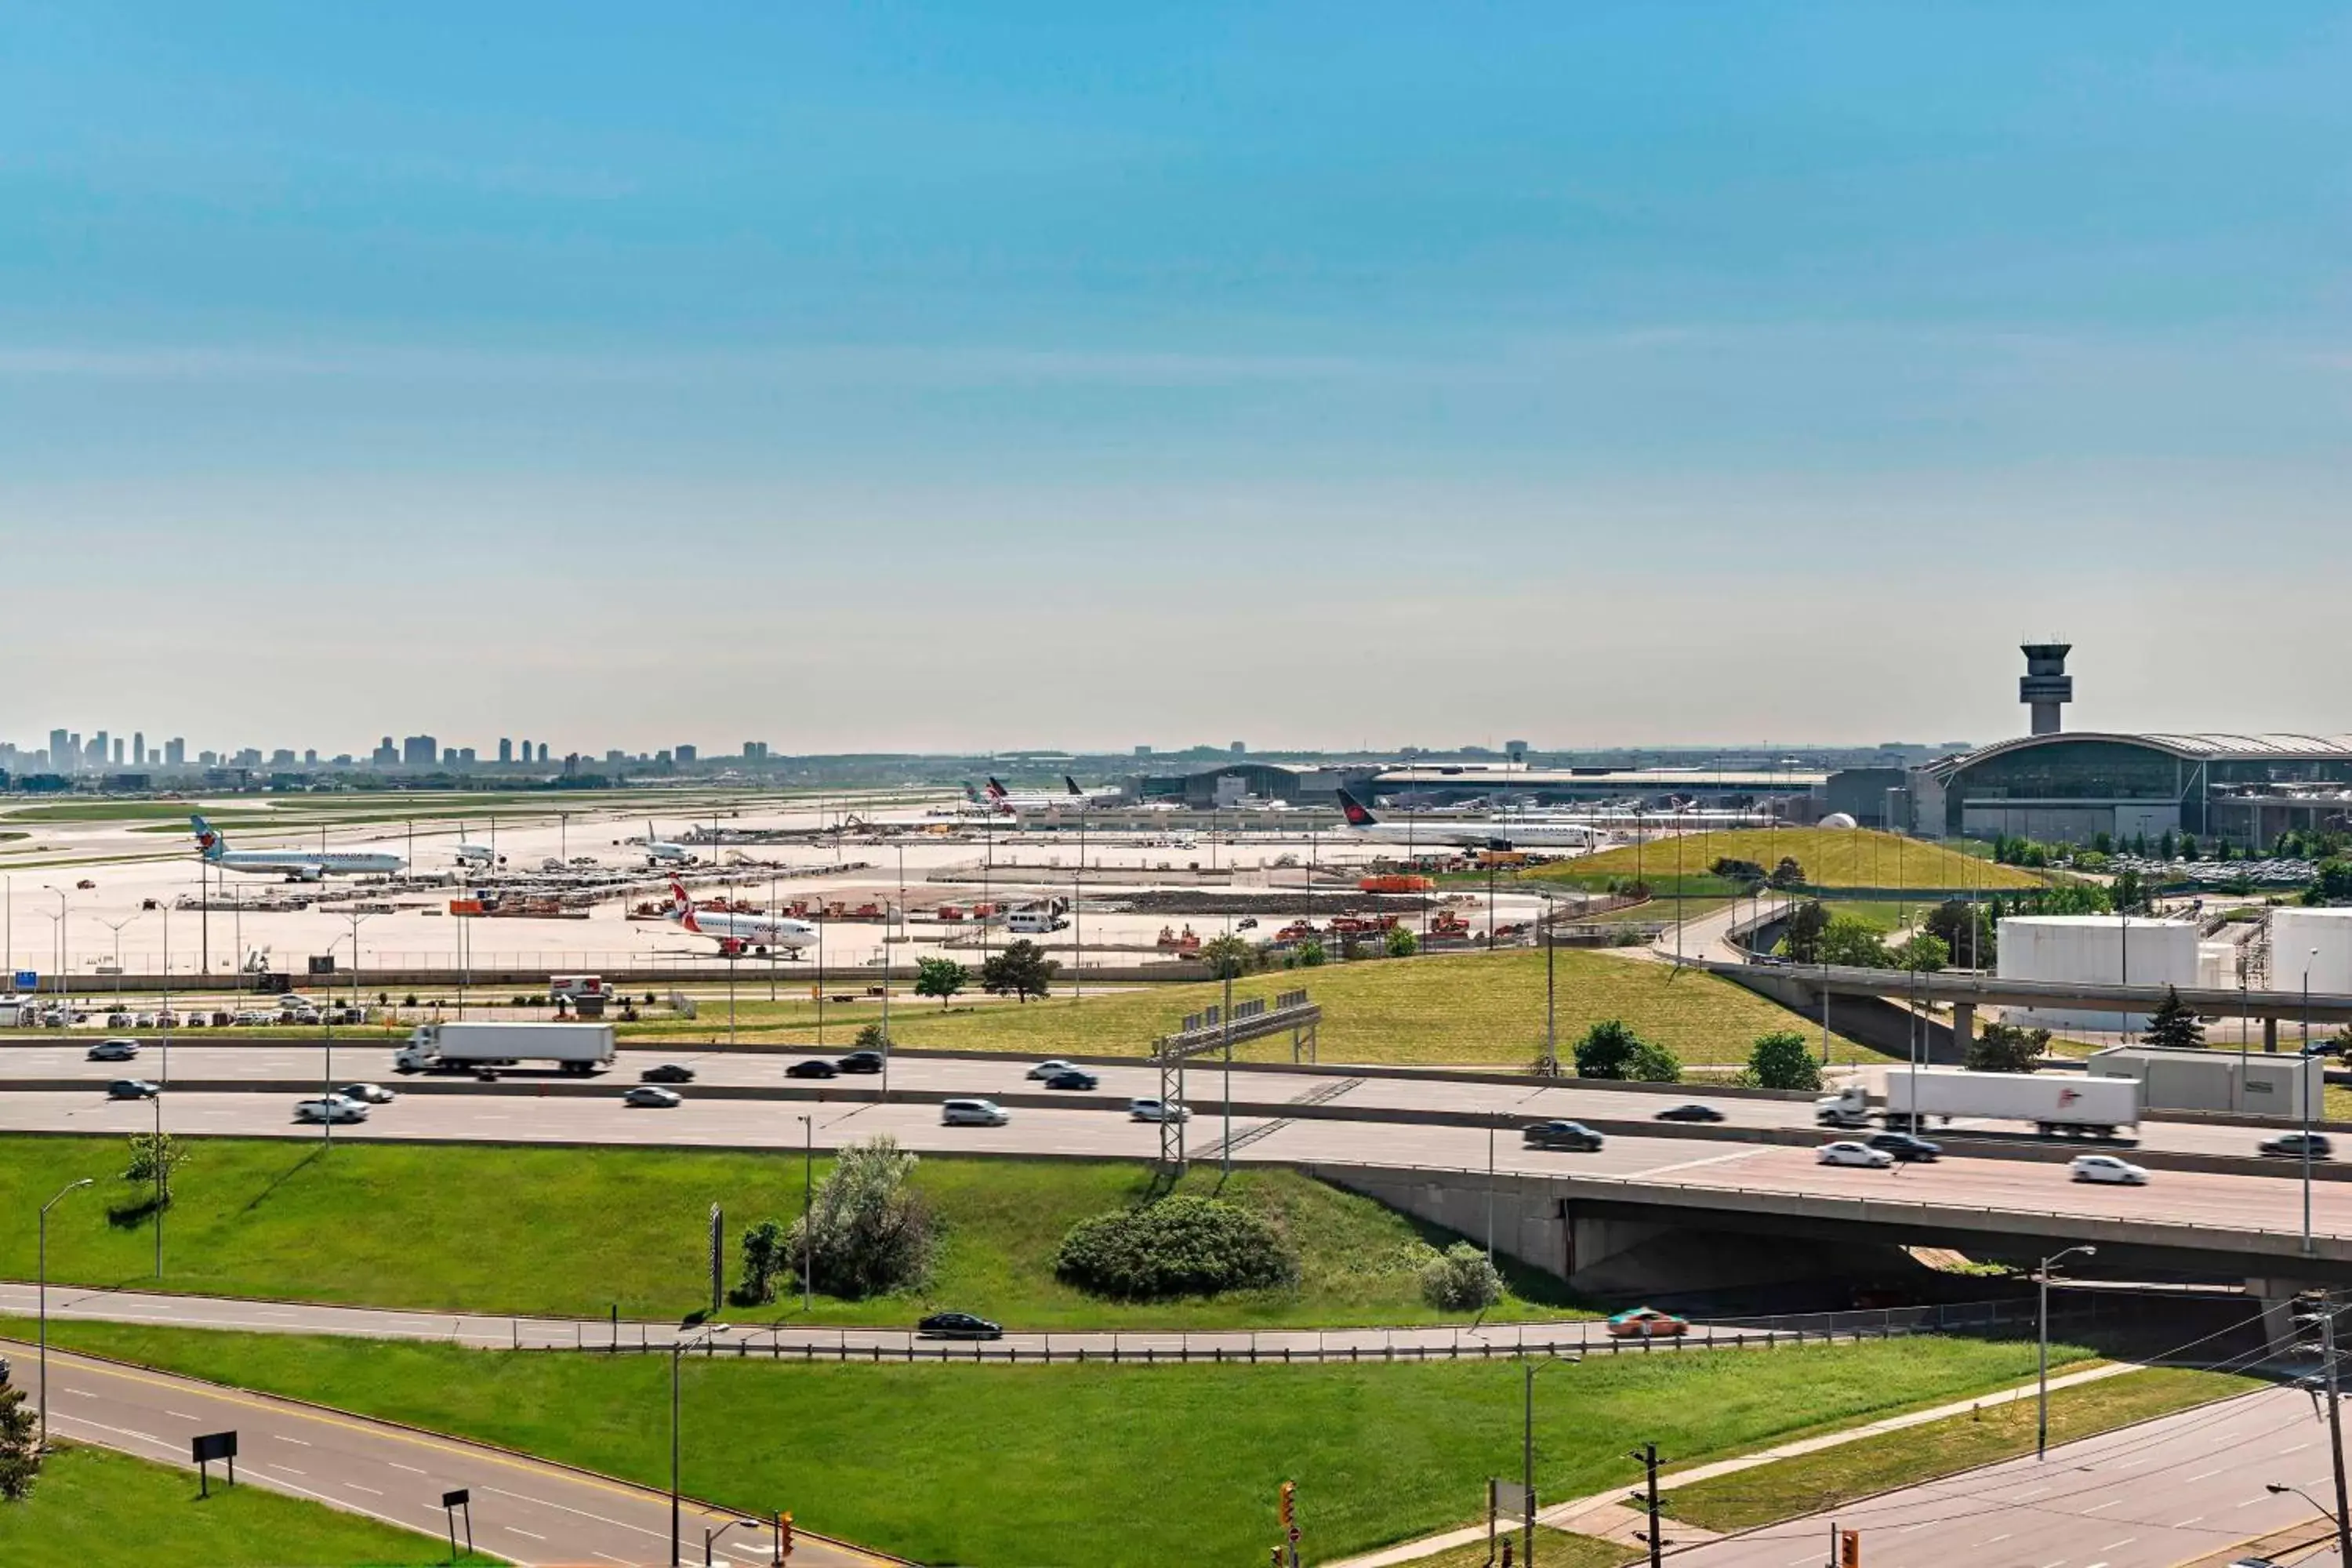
x=524, y=1510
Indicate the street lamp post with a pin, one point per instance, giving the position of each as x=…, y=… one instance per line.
x=808, y=1214
x=2041, y=1378
x=44, y=1286
x=678, y=1349
x=116, y=927
x=2303, y=1093
x=1532, y=1365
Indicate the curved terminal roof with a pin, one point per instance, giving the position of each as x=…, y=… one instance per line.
x=2190, y=748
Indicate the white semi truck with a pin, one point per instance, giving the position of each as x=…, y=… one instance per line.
x=470, y=1048
x=2054, y=1102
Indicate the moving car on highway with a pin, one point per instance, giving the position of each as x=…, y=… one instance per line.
x=2289, y=1146
x=861, y=1061
x=1073, y=1078
x=667, y=1072
x=131, y=1088
x=330, y=1108
x=1047, y=1069
x=959, y=1326
x=1573, y=1136
x=1904, y=1145
x=1647, y=1324
x=113, y=1051
x=972, y=1113
x=367, y=1093
x=1691, y=1112
x=1156, y=1110
x=1846, y=1151
x=2107, y=1168
x=815, y=1066
x=653, y=1097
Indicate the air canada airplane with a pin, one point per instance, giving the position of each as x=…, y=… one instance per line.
x=737, y=934
x=294, y=865
x=658, y=852
x=1485, y=833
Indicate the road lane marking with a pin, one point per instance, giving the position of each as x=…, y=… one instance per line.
x=181, y=1415
x=1749, y=1154
x=2114, y=1545
x=284, y=1438
x=271, y=1465
x=510, y=1530
x=412, y=1470
x=2098, y=1506
x=2204, y=1475
x=357, y=1488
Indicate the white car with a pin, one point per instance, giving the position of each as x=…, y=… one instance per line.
x=2107, y=1168
x=653, y=1097
x=113, y=1051
x=1048, y=1069
x=330, y=1108
x=366, y=1093
x=1846, y=1151
x=1156, y=1110
x=972, y=1113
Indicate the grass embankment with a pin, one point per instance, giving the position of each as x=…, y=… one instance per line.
x=92, y=1507
x=1809, y=1483
x=1475, y=1008
x=1831, y=858
x=1097, y=1464
x=1559, y=1549
x=568, y=1232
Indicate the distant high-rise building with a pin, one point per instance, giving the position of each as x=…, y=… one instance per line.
x=1142, y=751
x=525, y=751
x=1238, y=748
x=283, y=757
x=686, y=754
x=61, y=749
x=615, y=757
x=505, y=750
x=119, y=749
x=208, y=759
x=251, y=757
x=755, y=751
x=175, y=752
x=420, y=752
x=95, y=755
x=463, y=757
x=139, y=748
x=310, y=757
x=387, y=754
x=543, y=753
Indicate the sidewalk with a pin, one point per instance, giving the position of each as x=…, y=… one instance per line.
x=1606, y=1514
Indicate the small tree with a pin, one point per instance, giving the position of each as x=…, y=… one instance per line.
x=1228, y=957
x=1967, y=930
x=940, y=977
x=1783, y=1060
x=1803, y=938
x=764, y=1260
x=1310, y=953
x=20, y=1450
x=1402, y=942
x=866, y=1232
x=872, y=1038
x=2172, y=1024
x=1851, y=942
x=1611, y=1050
x=154, y=1157
x=2006, y=1048
x=1022, y=970
x=2128, y=891
x=1923, y=952
x=1460, y=1279
x=1788, y=873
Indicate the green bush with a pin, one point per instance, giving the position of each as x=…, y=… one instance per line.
x=1783, y=1060
x=1178, y=1246
x=1611, y=1049
x=867, y=1233
x=1460, y=1279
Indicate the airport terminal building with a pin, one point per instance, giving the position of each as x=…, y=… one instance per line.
x=2070, y=787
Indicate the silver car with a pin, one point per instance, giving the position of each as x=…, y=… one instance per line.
x=330, y=1108
x=972, y=1113
x=114, y=1051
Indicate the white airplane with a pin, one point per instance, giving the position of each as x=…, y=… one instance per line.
x=1493, y=833
x=1085, y=799
x=1026, y=800
x=973, y=804
x=738, y=934
x=660, y=853
x=475, y=855
x=294, y=865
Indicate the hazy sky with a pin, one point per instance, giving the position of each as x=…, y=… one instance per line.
x=935, y=377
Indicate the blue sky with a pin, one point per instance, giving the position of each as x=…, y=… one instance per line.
x=800, y=370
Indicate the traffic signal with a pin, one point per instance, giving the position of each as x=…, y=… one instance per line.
x=783, y=1536
x=1849, y=1549
x=1289, y=1503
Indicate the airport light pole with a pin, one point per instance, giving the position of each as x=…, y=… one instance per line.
x=1531, y=1365
x=57, y=938
x=164, y=1022
x=2303, y=1093
x=678, y=1349
x=2042, y=1379
x=808, y=1214
x=45, y=1302
x=116, y=927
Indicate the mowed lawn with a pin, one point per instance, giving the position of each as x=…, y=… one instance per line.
x=1479, y=1009
x=1832, y=857
x=1096, y=1466
x=93, y=1508
x=578, y=1232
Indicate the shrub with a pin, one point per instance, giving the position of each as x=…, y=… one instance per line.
x=1783, y=1060
x=1310, y=954
x=1732, y=870
x=871, y=1038
x=1178, y=1246
x=2006, y=1048
x=1460, y=1279
x=1789, y=873
x=1610, y=1049
x=866, y=1232
x=1402, y=942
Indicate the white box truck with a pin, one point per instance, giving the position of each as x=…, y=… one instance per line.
x=470, y=1047
x=2053, y=1102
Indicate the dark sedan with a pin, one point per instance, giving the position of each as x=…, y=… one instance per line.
x=131, y=1088
x=861, y=1061
x=1571, y=1135
x=959, y=1326
x=815, y=1066
x=1903, y=1146
x=668, y=1072
x=1073, y=1078
x=2290, y=1146
x=1693, y=1112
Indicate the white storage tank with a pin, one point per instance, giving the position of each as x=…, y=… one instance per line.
x=2217, y=965
x=2094, y=950
x=2295, y=934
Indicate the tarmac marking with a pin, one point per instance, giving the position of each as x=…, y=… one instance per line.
x=2098, y=1506
x=1749, y=1154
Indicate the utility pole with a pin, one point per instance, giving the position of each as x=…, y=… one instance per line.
x=2335, y=1435
x=1649, y=1458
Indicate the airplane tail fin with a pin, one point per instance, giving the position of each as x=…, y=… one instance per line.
x=208, y=839
x=1073, y=784
x=681, y=908
x=995, y=788
x=1353, y=810
x=970, y=793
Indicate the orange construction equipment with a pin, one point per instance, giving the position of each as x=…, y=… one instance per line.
x=1396, y=884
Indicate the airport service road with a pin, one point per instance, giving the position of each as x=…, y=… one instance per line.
x=2233, y=1203
x=1334, y=1088
x=524, y=1510
x=2150, y=1496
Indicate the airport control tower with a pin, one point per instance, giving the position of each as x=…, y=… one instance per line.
x=2046, y=687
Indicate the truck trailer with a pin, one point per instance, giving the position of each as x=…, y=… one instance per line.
x=470, y=1047
x=2063, y=1103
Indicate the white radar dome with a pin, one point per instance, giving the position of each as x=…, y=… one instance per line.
x=1839, y=819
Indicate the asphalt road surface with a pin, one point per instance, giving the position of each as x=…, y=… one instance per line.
x=2151, y=1496
x=524, y=1510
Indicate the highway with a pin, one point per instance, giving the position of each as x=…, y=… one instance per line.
x=524, y=1510
x=2152, y=1496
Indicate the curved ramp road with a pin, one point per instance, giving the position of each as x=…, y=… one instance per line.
x=525, y=1509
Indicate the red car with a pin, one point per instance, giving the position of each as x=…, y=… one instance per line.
x=1647, y=1324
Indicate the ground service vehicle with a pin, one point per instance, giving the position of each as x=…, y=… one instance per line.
x=465, y=1047
x=2056, y=1102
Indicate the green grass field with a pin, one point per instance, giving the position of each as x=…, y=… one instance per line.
x=1832, y=857
x=1096, y=1466
x=93, y=1508
x=576, y=1232
x=1813, y=1482
x=1555, y=1549
x=1460, y=1009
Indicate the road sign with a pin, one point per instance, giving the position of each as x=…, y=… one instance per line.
x=457, y=1498
x=205, y=1449
x=1294, y=1535
x=28, y=980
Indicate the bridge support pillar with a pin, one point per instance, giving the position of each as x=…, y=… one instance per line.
x=1964, y=1025
x=2270, y=1034
x=2276, y=1300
